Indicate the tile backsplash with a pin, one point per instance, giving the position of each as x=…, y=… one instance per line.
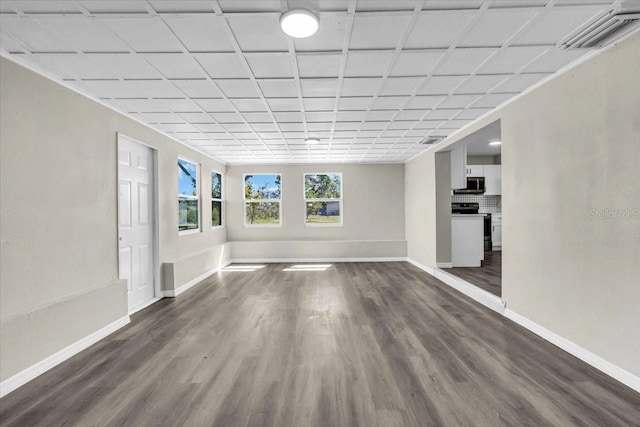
x=486, y=203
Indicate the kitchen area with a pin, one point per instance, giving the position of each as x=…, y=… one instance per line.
x=476, y=210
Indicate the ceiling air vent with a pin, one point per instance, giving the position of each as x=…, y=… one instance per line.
x=602, y=31
x=430, y=140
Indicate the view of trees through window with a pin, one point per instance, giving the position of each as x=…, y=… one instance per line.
x=188, y=200
x=323, y=198
x=216, y=199
x=262, y=195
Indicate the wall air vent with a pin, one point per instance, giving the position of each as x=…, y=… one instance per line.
x=430, y=140
x=602, y=31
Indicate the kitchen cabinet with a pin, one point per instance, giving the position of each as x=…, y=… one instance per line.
x=475, y=170
x=492, y=180
x=467, y=240
x=496, y=232
x=458, y=168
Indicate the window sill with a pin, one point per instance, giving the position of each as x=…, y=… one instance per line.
x=187, y=232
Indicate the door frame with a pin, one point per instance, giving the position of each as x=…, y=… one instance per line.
x=157, y=283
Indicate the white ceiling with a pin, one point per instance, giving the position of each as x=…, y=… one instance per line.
x=377, y=78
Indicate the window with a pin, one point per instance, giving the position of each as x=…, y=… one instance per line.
x=217, y=207
x=188, y=199
x=323, y=198
x=262, y=197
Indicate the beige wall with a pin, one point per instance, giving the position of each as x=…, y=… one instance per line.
x=58, y=215
x=373, y=209
x=569, y=148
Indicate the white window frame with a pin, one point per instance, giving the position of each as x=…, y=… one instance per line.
x=245, y=201
x=221, y=200
x=340, y=200
x=190, y=197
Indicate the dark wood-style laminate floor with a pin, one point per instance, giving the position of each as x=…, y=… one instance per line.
x=487, y=277
x=358, y=344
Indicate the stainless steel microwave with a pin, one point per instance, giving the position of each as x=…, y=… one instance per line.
x=475, y=185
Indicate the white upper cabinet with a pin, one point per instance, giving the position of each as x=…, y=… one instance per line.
x=492, y=180
x=475, y=170
x=458, y=168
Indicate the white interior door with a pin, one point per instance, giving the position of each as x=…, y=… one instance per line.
x=136, y=221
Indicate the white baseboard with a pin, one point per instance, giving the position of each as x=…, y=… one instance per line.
x=570, y=347
x=444, y=265
x=23, y=377
x=289, y=260
x=143, y=305
x=483, y=297
x=191, y=283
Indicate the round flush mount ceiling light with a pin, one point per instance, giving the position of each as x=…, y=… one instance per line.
x=495, y=143
x=299, y=23
x=312, y=141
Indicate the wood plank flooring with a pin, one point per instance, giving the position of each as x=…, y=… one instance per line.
x=487, y=277
x=358, y=344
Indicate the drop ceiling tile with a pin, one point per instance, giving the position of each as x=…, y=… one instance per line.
x=377, y=31
x=227, y=117
x=279, y=88
x=381, y=115
x=69, y=7
x=424, y=101
x=201, y=33
x=210, y=127
x=416, y=63
x=458, y=101
x=164, y=118
x=472, y=113
x=185, y=127
x=175, y=65
x=442, y=114
x=215, y=105
x=492, y=100
x=350, y=116
x=399, y=124
x=520, y=82
x=340, y=126
x=430, y=124
x=319, y=87
x=84, y=34
x=319, y=116
x=132, y=89
x=34, y=36
x=177, y=6
x=72, y=66
x=265, y=127
x=554, y=60
x=330, y=35
x=440, y=85
x=389, y=102
x=139, y=105
x=371, y=125
x=240, y=88
x=270, y=65
x=318, y=65
x=289, y=116
x=145, y=34
x=464, y=61
x=258, y=117
x=258, y=32
x=295, y=135
x=222, y=65
x=197, y=118
x=367, y=64
x=319, y=126
x=237, y=128
x=438, y=29
x=393, y=133
x=319, y=104
x=410, y=114
x=100, y=6
x=270, y=135
x=480, y=83
x=198, y=88
x=376, y=5
x=229, y=6
x=359, y=86
x=246, y=105
x=497, y=26
x=284, y=104
x=395, y=86
x=455, y=124
x=557, y=24
x=355, y=103
x=511, y=59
